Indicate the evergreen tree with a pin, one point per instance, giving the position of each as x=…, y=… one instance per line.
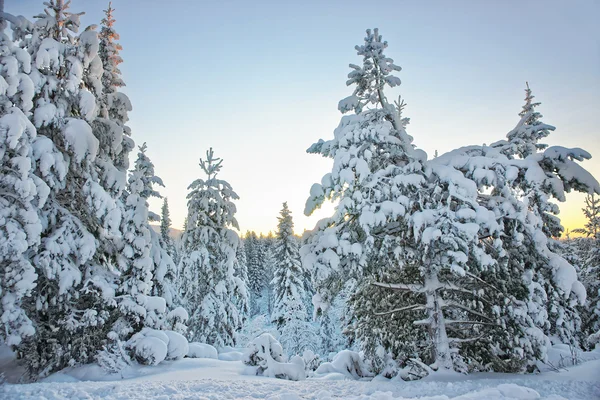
x=260, y=274
x=22, y=192
x=535, y=291
x=207, y=265
x=241, y=284
x=165, y=228
x=288, y=282
x=114, y=135
x=254, y=271
x=145, y=285
x=289, y=309
x=80, y=219
x=136, y=265
x=591, y=211
x=375, y=177
x=590, y=271
x=544, y=176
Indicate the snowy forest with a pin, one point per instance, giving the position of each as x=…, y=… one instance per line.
x=454, y=262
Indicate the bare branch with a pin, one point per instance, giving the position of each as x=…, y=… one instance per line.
x=401, y=287
x=407, y=308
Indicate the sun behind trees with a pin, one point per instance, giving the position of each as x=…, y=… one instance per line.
x=450, y=263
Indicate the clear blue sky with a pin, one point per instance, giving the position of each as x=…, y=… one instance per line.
x=260, y=80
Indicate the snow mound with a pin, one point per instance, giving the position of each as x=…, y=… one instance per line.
x=202, y=350
x=150, y=350
x=178, y=346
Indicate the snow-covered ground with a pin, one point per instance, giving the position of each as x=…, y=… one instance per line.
x=218, y=379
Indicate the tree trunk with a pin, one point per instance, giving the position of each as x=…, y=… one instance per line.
x=440, y=351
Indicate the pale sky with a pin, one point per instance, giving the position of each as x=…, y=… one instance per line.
x=259, y=81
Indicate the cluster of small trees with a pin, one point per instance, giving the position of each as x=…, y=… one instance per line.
x=445, y=263
x=279, y=287
x=452, y=262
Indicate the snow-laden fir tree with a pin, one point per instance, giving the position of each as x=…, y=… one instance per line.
x=544, y=177
x=165, y=229
x=242, y=292
x=136, y=265
x=268, y=261
x=591, y=212
x=289, y=308
x=375, y=170
x=22, y=192
x=208, y=283
x=524, y=140
x=590, y=270
x=288, y=285
x=255, y=273
x=110, y=128
x=533, y=289
x=80, y=219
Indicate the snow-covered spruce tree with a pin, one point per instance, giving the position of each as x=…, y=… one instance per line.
x=287, y=283
x=257, y=276
x=376, y=172
x=80, y=218
x=268, y=251
x=543, y=177
x=208, y=259
x=524, y=141
x=250, y=243
x=366, y=148
x=590, y=271
x=109, y=127
x=289, y=309
x=242, y=300
x=591, y=211
x=21, y=192
x=165, y=229
x=136, y=264
x=535, y=290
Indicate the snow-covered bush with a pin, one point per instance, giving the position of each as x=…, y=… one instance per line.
x=260, y=350
x=414, y=370
x=177, y=347
x=346, y=362
x=113, y=358
x=202, y=350
x=150, y=350
x=152, y=346
x=295, y=370
x=266, y=353
x=311, y=360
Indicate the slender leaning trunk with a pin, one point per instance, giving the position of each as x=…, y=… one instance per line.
x=440, y=351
